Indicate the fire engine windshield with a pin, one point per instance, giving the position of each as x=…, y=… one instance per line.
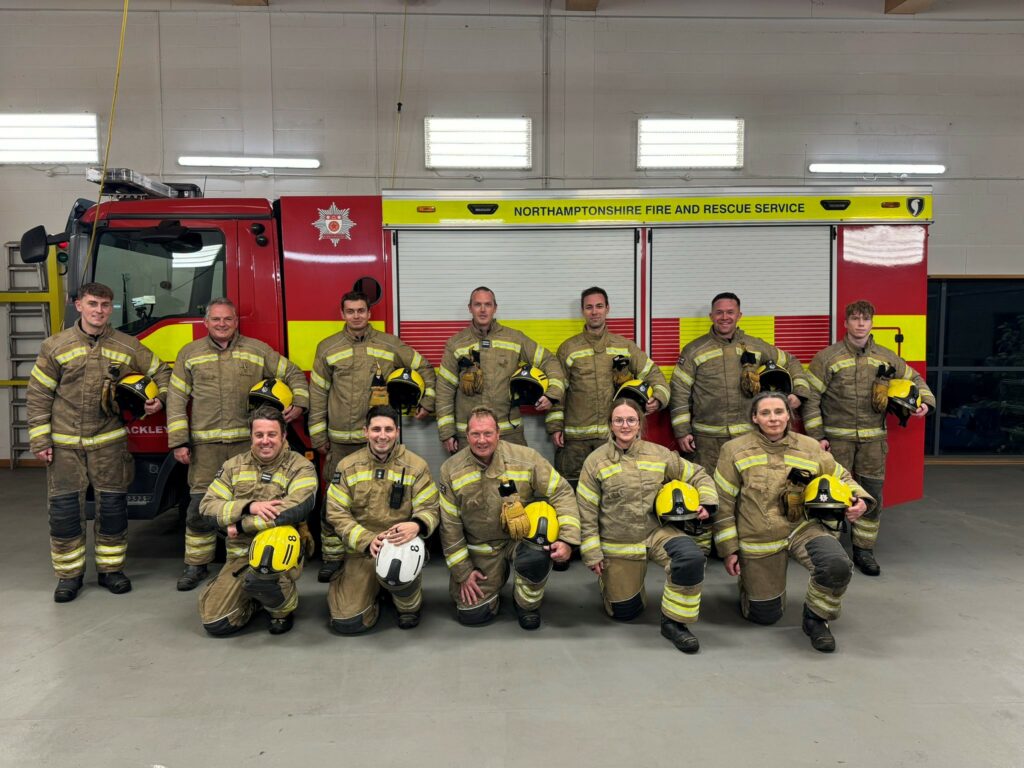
x=154, y=278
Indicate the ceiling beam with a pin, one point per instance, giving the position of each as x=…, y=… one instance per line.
x=907, y=6
x=581, y=5
x=250, y=2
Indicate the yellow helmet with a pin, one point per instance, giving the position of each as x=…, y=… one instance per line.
x=679, y=503
x=634, y=389
x=904, y=399
x=275, y=550
x=133, y=391
x=774, y=378
x=826, y=499
x=272, y=392
x=527, y=385
x=405, y=389
x=543, y=523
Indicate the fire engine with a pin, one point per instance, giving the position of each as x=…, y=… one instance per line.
x=795, y=256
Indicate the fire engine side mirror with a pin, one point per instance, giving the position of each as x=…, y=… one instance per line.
x=35, y=244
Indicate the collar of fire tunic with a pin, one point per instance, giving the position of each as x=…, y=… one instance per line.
x=737, y=335
x=783, y=442
x=595, y=337
x=274, y=462
x=496, y=467
x=394, y=453
x=231, y=342
x=364, y=336
x=108, y=329
x=854, y=350
x=633, y=450
x=492, y=329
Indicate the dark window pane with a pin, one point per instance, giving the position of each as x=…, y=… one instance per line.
x=984, y=323
x=934, y=301
x=932, y=378
x=982, y=413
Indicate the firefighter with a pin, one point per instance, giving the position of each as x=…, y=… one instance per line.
x=484, y=526
x=217, y=372
x=476, y=370
x=714, y=379
x=846, y=411
x=621, y=527
x=77, y=431
x=381, y=493
x=266, y=487
x=761, y=522
x=349, y=376
x=596, y=363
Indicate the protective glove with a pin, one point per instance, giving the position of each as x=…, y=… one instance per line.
x=514, y=520
x=378, y=390
x=750, y=382
x=620, y=371
x=880, y=388
x=471, y=377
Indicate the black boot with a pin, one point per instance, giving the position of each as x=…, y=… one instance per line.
x=528, y=620
x=116, y=582
x=408, y=620
x=191, y=576
x=864, y=559
x=327, y=570
x=282, y=625
x=67, y=590
x=817, y=629
x=677, y=634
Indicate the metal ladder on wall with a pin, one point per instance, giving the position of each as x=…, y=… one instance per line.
x=31, y=295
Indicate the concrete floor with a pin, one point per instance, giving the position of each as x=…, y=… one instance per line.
x=929, y=669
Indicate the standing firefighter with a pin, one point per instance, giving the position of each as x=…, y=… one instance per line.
x=76, y=429
x=632, y=496
x=350, y=375
x=257, y=499
x=381, y=496
x=715, y=378
x=218, y=372
x=478, y=369
x=782, y=496
x=488, y=523
x=597, y=363
x=851, y=383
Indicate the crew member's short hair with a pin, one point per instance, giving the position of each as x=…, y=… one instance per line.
x=591, y=291
x=862, y=307
x=726, y=295
x=99, y=290
x=355, y=296
x=268, y=413
x=382, y=410
x=220, y=302
x=483, y=288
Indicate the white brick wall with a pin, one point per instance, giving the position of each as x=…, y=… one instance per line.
x=814, y=81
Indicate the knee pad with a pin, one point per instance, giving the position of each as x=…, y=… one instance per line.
x=264, y=590
x=764, y=611
x=532, y=563
x=687, y=565
x=350, y=626
x=194, y=519
x=832, y=568
x=113, y=512
x=627, y=610
x=65, y=516
x=477, y=615
x=220, y=628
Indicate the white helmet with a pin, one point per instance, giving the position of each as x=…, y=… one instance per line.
x=401, y=564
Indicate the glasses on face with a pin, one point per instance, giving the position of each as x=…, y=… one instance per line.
x=629, y=421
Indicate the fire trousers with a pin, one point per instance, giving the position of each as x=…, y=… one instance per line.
x=332, y=549
x=622, y=583
x=763, y=579
x=204, y=464
x=866, y=462
x=229, y=601
x=530, y=566
x=352, y=595
x=109, y=470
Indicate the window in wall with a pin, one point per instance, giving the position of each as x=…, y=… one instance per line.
x=43, y=138
x=664, y=143
x=478, y=142
x=976, y=367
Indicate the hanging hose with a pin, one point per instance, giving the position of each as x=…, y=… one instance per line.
x=110, y=132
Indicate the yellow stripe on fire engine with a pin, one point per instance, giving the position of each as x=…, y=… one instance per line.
x=639, y=209
x=915, y=334
x=304, y=335
x=166, y=342
x=547, y=333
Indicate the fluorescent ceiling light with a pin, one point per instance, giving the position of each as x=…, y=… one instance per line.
x=204, y=257
x=495, y=143
x=43, y=138
x=664, y=143
x=206, y=161
x=877, y=168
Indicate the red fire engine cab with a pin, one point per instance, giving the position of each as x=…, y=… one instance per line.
x=795, y=256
